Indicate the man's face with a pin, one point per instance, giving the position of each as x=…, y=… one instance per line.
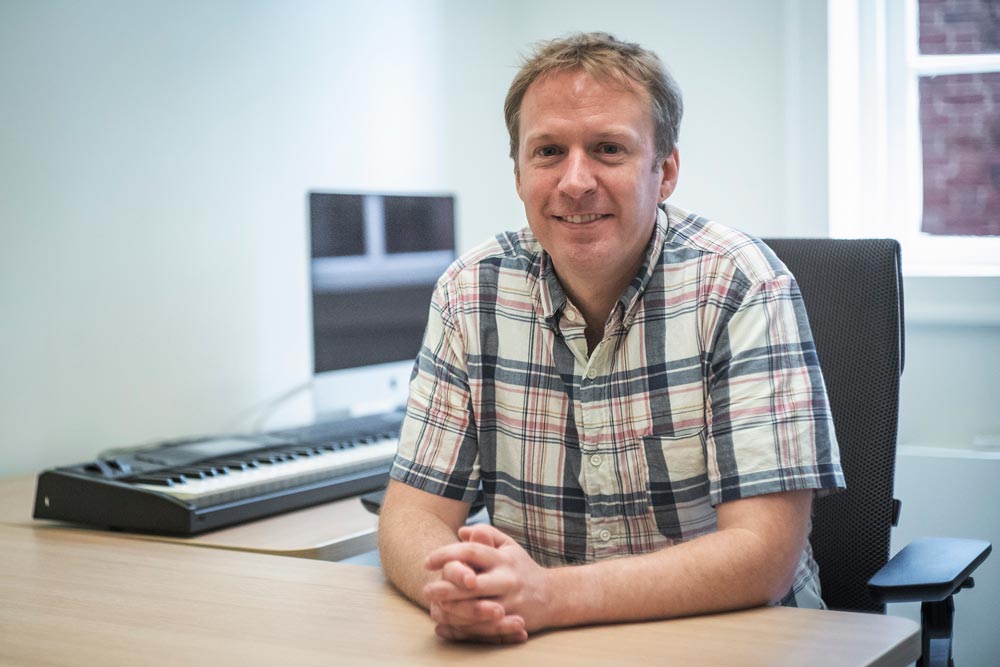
x=586, y=173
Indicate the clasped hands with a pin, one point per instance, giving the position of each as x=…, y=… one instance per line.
x=490, y=589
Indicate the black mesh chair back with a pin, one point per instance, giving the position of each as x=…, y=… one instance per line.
x=853, y=291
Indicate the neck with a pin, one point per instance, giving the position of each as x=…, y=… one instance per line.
x=595, y=296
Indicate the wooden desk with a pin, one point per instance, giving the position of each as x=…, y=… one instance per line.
x=332, y=531
x=75, y=597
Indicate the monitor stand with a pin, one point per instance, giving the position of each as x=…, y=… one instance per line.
x=356, y=392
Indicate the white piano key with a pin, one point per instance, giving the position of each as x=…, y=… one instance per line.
x=273, y=476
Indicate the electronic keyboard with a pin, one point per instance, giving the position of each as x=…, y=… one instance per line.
x=192, y=486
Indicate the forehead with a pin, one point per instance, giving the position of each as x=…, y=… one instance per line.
x=576, y=100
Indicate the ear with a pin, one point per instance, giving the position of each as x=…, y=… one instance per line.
x=670, y=167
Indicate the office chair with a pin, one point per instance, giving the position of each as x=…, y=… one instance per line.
x=853, y=294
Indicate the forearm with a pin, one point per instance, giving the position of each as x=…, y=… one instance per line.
x=404, y=541
x=733, y=568
x=717, y=572
x=408, y=531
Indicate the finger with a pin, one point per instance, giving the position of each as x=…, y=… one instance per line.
x=457, y=635
x=475, y=555
x=495, y=584
x=471, y=534
x=505, y=625
x=454, y=634
x=456, y=575
x=466, y=612
x=459, y=574
x=483, y=534
x=498, y=583
x=508, y=630
x=440, y=591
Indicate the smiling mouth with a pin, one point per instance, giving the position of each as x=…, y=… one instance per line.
x=580, y=219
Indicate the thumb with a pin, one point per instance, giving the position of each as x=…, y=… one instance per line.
x=483, y=534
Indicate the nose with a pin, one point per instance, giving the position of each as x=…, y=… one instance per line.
x=577, y=179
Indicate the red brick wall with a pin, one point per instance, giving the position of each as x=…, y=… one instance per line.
x=960, y=121
x=959, y=26
x=960, y=131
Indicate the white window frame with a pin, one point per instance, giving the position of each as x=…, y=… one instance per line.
x=876, y=170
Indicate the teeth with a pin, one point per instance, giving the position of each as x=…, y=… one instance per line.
x=575, y=219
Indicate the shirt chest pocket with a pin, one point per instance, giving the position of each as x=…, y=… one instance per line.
x=675, y=405
x=678, y=485
x=673, y=459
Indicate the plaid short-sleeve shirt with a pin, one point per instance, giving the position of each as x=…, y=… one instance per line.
x=706, y=388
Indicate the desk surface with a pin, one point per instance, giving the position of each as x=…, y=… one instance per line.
x=79, y=597
x=332, y=531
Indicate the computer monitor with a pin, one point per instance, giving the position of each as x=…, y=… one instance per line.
x=374, y=261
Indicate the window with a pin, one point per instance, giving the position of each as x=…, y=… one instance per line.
x=915, y=129
x=956, y=64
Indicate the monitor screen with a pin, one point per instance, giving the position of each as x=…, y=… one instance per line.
x=375, y=260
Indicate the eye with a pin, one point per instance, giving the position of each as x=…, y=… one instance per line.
x=609, y=149
x=547, y=151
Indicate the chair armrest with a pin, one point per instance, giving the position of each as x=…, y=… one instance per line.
x=373, y=502
x=928, y=569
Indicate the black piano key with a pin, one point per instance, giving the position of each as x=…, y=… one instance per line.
x=99, y=468
x=236, y=464
x=121, y=465
x=268, y=460
x=159, y=479
x=203, y=472
x=200, y=472
x=194, y=473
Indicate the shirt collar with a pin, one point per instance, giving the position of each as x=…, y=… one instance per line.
x=552, y=298
x=630, y=297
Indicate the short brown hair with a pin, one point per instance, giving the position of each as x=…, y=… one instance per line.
x=603, y=57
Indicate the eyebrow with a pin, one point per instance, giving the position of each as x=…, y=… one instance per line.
x=545, y=137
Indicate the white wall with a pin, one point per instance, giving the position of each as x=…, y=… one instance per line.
x=153, y=178
x=154, y=160
x=950, y=492
x=156, y=157
x=727, y=56
x=948, y=395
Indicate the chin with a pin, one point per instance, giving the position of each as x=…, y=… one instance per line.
x=584, y=256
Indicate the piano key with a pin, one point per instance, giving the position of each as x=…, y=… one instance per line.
x=280, y=473
x=120, y=464
x=235, y=464
x=306, y=451
x=157, y=481
x=267, y=460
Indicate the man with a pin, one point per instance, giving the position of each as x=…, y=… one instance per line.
x=634, y=387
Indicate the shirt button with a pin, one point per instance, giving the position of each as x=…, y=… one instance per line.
x=591, y=372
x=605, y=535
x=570, y=315
x=595, y=460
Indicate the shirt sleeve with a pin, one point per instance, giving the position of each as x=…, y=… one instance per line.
x=438, y=450
x=769, y=422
